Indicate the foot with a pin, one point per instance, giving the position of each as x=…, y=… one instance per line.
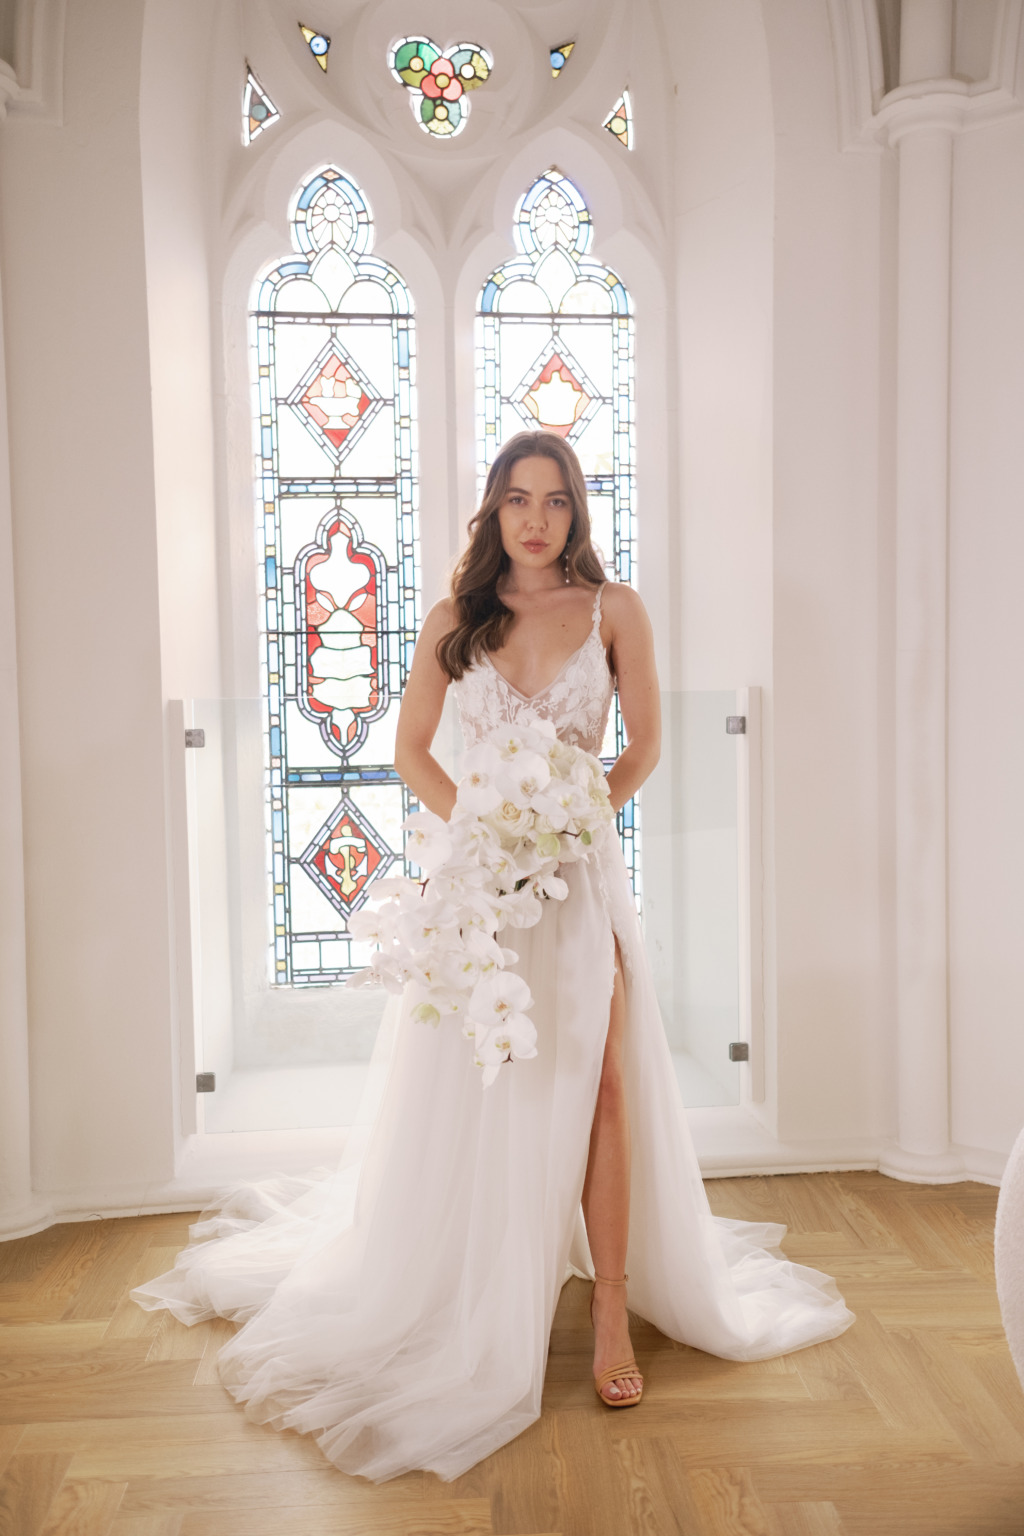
x=611, y=1340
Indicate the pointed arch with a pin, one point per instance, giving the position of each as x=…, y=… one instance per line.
x=333, y=359
x=555, y=349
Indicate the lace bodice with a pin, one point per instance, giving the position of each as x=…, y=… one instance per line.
x=577, y=701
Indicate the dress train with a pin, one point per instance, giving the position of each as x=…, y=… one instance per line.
x=400, y=1308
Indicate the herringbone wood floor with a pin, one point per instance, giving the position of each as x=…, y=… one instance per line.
x=112, y=1422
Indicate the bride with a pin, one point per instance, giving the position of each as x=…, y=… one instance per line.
x=400, y=1308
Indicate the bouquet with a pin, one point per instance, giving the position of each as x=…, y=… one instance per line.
x=527, y=803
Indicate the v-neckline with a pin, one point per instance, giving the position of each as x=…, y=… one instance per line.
x=528, y=698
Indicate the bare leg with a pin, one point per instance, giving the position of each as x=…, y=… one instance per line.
x=606, y=1201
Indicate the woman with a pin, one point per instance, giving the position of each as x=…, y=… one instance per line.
x=401, y=1309
x=523, y=605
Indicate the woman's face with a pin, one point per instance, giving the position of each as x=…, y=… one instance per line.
x=536, y=514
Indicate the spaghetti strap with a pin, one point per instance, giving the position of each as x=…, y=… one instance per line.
x=596, y=623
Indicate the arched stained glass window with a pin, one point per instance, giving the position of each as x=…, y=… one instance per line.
x=555, y=350
x=333, y=363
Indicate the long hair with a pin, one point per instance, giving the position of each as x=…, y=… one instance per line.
x=481, y=618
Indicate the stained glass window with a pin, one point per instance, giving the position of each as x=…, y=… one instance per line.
x=620, y=120
x=319, y=45
x=333, y=363
x=555, y=350
x=258, y=111
x=438, y=80
x=560, y=57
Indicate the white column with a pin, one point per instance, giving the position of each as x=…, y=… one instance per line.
x=926, y=40
x=18, y=1213
x=924, y=138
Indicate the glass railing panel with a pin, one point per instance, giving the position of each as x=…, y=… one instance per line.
x=297, y=1056
x=283, y=1057
x=691, y=892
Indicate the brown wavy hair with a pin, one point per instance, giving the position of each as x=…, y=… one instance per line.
x=481, y=618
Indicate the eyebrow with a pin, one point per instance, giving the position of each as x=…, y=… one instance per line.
x=519, y=490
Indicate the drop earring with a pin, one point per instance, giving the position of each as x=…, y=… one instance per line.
x=565, y=559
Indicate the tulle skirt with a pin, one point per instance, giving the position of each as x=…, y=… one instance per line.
x=399, y=1308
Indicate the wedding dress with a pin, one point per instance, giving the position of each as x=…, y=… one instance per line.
x=400, y=1308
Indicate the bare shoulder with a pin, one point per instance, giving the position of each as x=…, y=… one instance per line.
x=439, y=620
x=622, y=606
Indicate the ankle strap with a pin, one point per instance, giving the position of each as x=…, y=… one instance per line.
x=605, y=1281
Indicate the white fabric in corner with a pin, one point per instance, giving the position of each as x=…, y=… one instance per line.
x=1010, y=1253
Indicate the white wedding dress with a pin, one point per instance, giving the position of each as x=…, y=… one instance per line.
x=400, y=1308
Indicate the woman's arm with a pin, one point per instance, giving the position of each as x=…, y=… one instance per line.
x=632, y=655
x=419, y=716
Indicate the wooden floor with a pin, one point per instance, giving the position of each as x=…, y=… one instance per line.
x=112, y=1422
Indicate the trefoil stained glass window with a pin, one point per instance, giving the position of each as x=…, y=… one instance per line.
x=438, y=80
x=555, y=350
x=333, y=363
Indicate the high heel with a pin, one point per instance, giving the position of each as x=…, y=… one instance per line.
x=616, y=1372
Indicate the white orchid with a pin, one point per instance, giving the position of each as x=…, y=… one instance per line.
x=553, y=887
x=509, y=745
x=429, y=1005
x=478, y=790
x=503, y=1030
x=485, y=947
x=561, y=755
x=373, y=927
x=526, y=803
x=498, y=998
x=562, y=802
x=430, y=842
x=477, y=839
x=523, y=778
x=522, y=909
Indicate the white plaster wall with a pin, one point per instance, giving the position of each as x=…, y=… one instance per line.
x=834, y=1037
x=88, y=621
x=723, y=195
x=986, y=646
x=772, y=500
x=176, y=195
x=721, y=634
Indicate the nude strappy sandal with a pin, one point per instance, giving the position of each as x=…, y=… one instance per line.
x=616, y=1372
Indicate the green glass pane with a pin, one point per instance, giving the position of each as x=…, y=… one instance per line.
x=440, y=117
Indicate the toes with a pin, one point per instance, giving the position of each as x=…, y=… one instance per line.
x=622, y=1387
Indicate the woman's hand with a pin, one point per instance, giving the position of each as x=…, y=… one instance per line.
x=420, y=715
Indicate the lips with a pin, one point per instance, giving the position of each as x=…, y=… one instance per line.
x=534, y=545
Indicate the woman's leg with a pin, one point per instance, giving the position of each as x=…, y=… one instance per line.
x=606, y=1201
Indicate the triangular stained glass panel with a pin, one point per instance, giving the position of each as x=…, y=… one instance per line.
x=258, y=111
x=344, y=857
x=619, y=121
x=556, y=394
x=319, y=45
x=560, y=57
x=334, y=400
